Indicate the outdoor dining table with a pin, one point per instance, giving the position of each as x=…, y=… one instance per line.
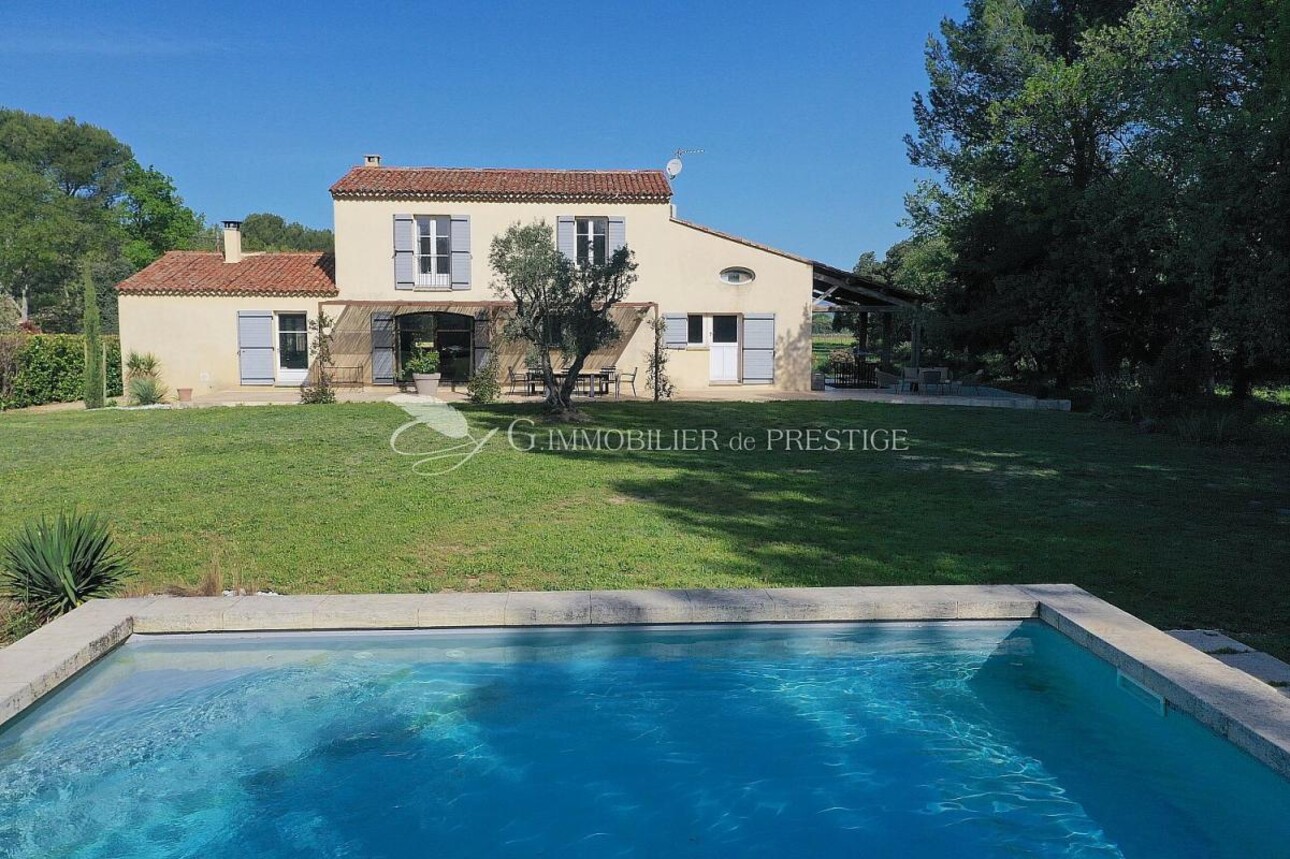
x=596, y=381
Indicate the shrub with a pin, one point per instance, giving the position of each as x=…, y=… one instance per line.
x=1118, y=398
x=323, y=390
x=50, y=368
x=1209, y=426
x=51, y=567
x=146, y=391
x=657, y=380
x=484, y=386
x=142, y=365
x=422, y=362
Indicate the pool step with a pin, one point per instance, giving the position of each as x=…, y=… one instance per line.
x=1231, y=652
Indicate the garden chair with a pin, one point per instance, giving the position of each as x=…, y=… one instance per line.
x=514, y=379
x=934, y=381
x=629, y=378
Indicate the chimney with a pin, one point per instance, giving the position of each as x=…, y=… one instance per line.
x=371, y=161
x=232, y=241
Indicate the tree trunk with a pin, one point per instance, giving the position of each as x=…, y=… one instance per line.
x=1242, y=378
x=564, y=401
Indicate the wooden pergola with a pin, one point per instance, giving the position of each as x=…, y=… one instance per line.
x=837, y=291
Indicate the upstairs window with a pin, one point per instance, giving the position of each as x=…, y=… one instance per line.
x=592, y=240
x=434, y=252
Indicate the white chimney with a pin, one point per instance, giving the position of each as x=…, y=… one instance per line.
x=371, y=161
x=232, y=241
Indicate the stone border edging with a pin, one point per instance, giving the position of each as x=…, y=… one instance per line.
x=1234, y=705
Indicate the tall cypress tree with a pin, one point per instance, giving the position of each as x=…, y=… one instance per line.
x=94, y=370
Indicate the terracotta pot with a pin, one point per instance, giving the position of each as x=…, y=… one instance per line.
x=427, y=384
x=185, y=394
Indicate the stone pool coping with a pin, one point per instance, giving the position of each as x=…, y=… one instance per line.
x=1246, y=711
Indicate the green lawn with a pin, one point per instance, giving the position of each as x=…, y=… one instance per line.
x=312, y=499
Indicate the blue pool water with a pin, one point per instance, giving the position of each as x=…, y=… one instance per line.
x=910, y=740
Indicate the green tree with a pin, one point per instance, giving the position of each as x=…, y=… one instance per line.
x=1028, y=132
x=154, y=216
x=558, y=306
x=263, y=231
x=84, y=161
x=41, y=236
x=69, y=191
x=95, y=390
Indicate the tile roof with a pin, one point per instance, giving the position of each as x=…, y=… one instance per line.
x=471, y=183
x=206, y=273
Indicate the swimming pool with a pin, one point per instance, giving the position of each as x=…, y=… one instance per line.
x=924, y=739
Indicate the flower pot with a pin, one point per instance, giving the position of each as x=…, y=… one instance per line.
x=185, y=394
x=427, y=384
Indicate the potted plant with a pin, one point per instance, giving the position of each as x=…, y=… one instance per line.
x=423, y=369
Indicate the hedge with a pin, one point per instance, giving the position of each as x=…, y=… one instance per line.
x=50, y=368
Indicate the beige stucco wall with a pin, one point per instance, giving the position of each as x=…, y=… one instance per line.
x=195, y=338
x=678, y=269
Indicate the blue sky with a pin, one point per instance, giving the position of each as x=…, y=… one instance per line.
x=260, y=106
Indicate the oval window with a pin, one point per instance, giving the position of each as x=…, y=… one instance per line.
x=737, y=276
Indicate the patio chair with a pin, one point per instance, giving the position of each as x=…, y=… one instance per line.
x=887, y=380
x=514, y=379
x=606, y=378
x=934, y=382
x=629, y=378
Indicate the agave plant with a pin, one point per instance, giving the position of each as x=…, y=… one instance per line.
x=146, y=391
x=51, y=567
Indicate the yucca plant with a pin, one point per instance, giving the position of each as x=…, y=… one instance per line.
x=146, y=391
x=51, y=567
x=137, y=365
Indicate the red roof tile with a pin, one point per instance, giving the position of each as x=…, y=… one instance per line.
x=469, y=183
x=205, y=273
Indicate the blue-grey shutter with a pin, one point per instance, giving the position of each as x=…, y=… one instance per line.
x=483, y=338
x=676, y=331
x=617, y=234
x=565, y=241
x=382, y=348
x=255, y=346
x=404, y=253
x=759, y=348
x=460, y=251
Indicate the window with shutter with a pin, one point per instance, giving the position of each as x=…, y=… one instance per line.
x=434, y=252
x=592, y=237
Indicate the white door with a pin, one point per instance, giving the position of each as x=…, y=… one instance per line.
x=724, y=349
x=293, y=348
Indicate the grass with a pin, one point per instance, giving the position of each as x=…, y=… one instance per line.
x=312, y=499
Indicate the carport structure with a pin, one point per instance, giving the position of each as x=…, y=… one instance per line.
x=840, y=292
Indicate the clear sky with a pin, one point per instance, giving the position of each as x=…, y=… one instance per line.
x=259, y=106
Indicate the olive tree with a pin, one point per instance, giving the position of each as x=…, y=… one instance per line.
x=560, y=307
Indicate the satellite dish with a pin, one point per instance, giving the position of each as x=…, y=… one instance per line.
x=674, y=168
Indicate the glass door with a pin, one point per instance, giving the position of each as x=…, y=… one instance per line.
x=293, y=348
x=724, y=349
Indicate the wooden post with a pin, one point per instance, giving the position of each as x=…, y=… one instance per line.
x=888, y=335
x=862, y=331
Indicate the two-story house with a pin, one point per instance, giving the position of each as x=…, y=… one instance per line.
x=411, y=269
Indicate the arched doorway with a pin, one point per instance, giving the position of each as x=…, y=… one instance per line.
x=451, y=334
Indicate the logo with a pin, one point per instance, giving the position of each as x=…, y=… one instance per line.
x=441, y=418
